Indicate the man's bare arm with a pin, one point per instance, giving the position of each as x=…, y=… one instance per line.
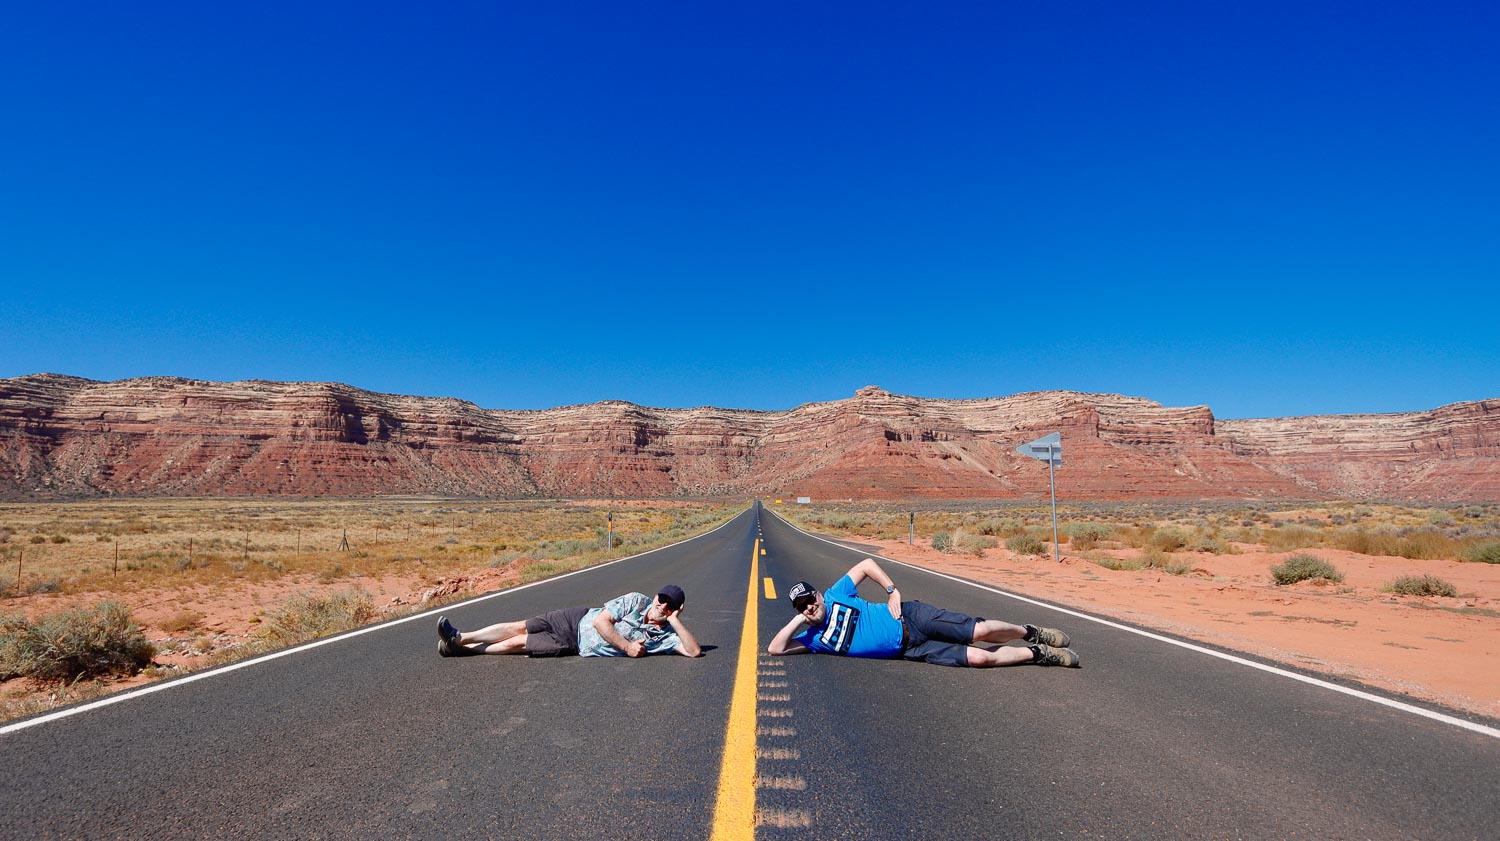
x=687, y=644
x=869, y=569
x=783, y=644
x=604, y=623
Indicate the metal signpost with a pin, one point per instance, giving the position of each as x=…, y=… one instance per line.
x=1048, y=448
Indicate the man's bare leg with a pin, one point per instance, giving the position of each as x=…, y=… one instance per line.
x=494, y=633
x=1010, y=655
x=993, y=630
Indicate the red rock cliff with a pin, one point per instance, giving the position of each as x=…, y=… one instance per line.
x=64, y=436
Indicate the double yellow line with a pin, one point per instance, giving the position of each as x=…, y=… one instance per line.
x=734, y=814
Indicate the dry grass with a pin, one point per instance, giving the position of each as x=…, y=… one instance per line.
x=73, y=547
x=1437, y=532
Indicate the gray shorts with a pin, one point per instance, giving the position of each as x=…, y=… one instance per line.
x=554, y=633
x=934, y=635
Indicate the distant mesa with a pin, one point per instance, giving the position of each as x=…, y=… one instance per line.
x=66, y=437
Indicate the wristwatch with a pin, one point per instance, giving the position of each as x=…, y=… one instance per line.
x=891, y=589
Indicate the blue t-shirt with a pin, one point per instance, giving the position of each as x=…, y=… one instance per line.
x=853, y=626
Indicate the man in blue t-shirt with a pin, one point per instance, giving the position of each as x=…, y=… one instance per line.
x=840, y=622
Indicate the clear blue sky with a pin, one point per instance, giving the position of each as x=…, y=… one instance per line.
x=1270, y=208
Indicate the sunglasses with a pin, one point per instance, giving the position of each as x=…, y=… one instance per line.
x=802, y=603
x=666, y=601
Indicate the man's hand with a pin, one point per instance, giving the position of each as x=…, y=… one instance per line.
x=634, y=648
x=687, y=643
x=782, y=643
x=894, y=603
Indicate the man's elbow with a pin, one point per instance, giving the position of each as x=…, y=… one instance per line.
x=776, y=648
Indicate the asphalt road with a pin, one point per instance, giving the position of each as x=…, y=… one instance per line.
x=375, y=736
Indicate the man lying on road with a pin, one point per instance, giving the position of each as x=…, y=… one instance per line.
x=840, y=622
x=631, y=625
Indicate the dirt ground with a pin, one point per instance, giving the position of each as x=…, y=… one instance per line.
x=1442, y=650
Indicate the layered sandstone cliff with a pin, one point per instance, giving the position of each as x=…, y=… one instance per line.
x=64, y=436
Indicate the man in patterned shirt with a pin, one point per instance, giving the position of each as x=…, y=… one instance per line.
x=840, y=622
x=632, y=625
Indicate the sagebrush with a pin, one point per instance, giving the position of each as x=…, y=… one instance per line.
x=1304, y=568
x=74, y=643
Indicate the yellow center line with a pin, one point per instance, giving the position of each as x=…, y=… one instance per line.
x=770, y=589
x=734, y=812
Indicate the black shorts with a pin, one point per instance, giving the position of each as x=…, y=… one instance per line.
x=554, y=633
x=934, y=635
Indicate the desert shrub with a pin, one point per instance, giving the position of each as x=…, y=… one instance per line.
x=1439, y=517
x=37, y=538
x=1025, y=544
x=1285, y=538
x=973, y=544
x=999, y=526
x=73, y=643
x=1168, y=539
x=1484, y=553
x=1128, y=564
x=1208, y=543
x=307, y=616
x=1426, y=544
x=1421, y=585
x=60, y=538
x=1475, y=512
x=1366, y=542
x=943, y=541
x=1302, y=568
x=1087, y=535
x=181, y=621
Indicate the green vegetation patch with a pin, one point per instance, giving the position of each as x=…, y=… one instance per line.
x=1304, y=568
x=71, y=644
x=1484, y=553
x=1421, y=585
x=305, y=616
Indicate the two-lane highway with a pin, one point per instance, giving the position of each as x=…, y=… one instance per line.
x=373, y=735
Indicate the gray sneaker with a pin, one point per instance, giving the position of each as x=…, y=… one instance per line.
x=1047, y=636
x=1046, y=655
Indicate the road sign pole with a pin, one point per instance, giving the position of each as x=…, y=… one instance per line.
x=1052, y=481
x=1048, y=448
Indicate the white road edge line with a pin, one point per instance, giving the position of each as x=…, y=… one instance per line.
x=286, y=652
x=1399, y=705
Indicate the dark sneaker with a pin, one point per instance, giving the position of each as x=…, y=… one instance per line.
x=1046, y=655
x=1047, y=636
x=447, y=637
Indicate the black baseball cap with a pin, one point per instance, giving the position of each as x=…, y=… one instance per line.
x=672, y=596
x=801, y=594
